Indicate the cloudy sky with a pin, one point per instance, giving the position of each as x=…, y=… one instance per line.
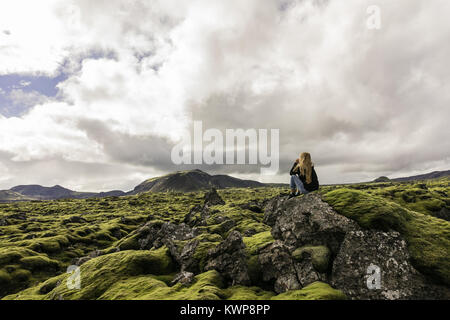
x=94, y=94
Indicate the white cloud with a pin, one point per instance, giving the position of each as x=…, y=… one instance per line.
x=363, y=102
x=26, y=98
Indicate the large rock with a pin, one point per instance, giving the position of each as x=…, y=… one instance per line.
x=171, y=231
x=212, y=198
x=197, y=216
x=184, y=256
x=277, y=266
x=229, y=259
x=155, y=234
x=307, y=220
x=364, y=254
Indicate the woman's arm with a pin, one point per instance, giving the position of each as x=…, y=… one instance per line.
x=293, y=172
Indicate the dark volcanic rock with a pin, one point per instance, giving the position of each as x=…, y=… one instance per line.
x=307, y=220
x=156, y=234
x=184, y=256
x=278, y=267
x=171, y=231
x=212, y=198
x=197, y=216
x=361, y=250
x=229, y=259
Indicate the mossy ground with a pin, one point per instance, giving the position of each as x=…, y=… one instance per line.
x=41, y=238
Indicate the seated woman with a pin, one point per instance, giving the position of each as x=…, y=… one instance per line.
x=303, y=176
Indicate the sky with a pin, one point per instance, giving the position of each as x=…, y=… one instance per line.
x=95, y=94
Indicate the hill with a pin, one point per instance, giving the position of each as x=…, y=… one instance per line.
x=38, y=192
x=426, y=176
x=8, y=195
x=382, y=179
x=192, y=180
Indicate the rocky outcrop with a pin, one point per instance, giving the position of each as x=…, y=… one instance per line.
x=307, y=220
x=212, y=198
x=314, y=243
x=197, y=216
x=230, y=260
x=155, y=234
x=376, y=265
x=171, y=232
x=278, y=267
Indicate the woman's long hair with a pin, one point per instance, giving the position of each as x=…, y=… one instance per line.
x=305, y=166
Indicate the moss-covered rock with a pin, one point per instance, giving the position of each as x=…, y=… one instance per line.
x=320, y=256
x=428, y=237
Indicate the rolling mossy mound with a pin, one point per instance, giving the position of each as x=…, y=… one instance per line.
x=428, y=237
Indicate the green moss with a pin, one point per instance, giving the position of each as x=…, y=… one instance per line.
x=201, y=253
x=314, y=291
x=247, y=293
x=99, y=274
x=206, y=286
x=368, y=211
x=38, y=263
x=428, y=237
x=320, y=256
x=257, y=241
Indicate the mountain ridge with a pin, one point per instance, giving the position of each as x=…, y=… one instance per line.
x=179, y=181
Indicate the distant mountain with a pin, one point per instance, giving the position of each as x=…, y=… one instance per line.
x=382, y=179
x=192, y=180
x=8, y=195
x=426, y=176
x=43, y=193
x=37, y=192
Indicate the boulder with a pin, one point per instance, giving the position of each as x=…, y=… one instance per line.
x=307, y=220
x=184, y=256
x=229, y=259
x=197, y=216
x=171, y=231
x=366, y=254
x=212, y=198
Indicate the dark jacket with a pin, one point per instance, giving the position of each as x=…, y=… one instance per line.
x=314, y=185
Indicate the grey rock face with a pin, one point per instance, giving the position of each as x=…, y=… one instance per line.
x=277, y=266
x=212, y=198
x=184, y=256
x=308, y=220
x=364, y=253
x=171, y=231
x=156, y=234
x=197, y=216
x=229, y=259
